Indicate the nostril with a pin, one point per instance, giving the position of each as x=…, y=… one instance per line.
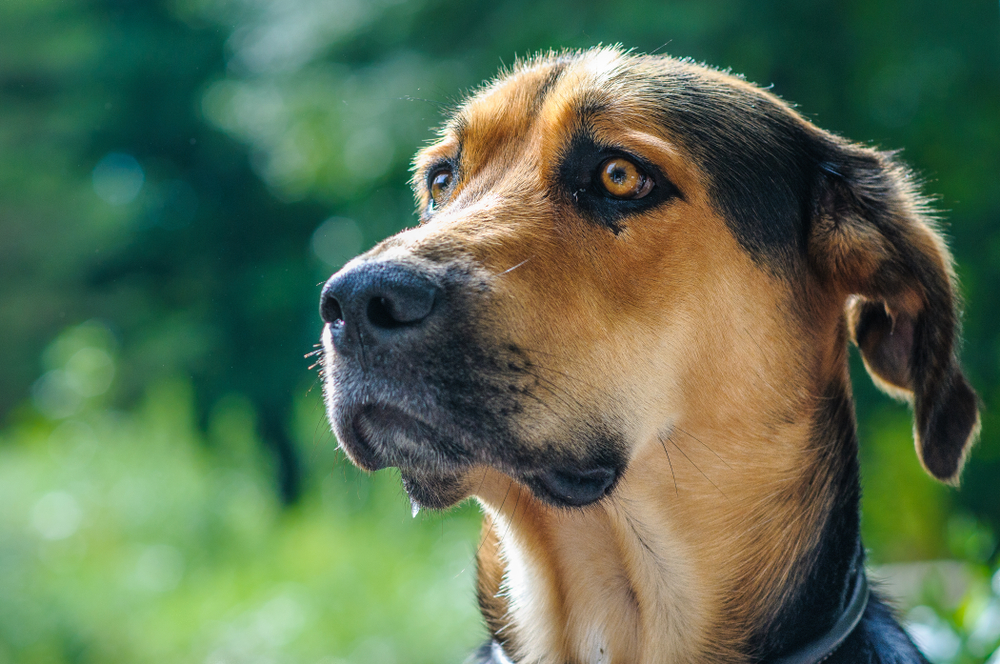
x=400, y=309
x=372, y=298
x=330, y=310
x=380, y=314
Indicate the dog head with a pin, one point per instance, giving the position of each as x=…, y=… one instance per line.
x=615, y=248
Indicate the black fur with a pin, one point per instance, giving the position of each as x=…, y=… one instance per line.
x=878, y=639
x=579, y=175
x=815, y=606
x=553, y=76
x=456, y=392
x=818, y=603
x=759, y=161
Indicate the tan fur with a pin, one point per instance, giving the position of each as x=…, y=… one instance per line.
x=581, y=581
x=672, y=328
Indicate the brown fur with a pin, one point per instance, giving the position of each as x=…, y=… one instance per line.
x=714, y=359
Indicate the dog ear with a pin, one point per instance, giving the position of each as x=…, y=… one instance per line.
x=872, y=236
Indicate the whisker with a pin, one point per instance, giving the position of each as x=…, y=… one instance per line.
x=558, y=356
x=555, y=390
x=499, y=511
x=568, y=376
x=686, y=433
x=664, y=445
x=679, y=449
x=560, y=416
x=482, y=480
x=660, y=48
x=513, y=513
x=511, y=269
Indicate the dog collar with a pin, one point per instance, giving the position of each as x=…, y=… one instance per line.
x=813, y=652
x=822, y=648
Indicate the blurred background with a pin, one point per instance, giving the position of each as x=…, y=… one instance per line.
x=178, y=177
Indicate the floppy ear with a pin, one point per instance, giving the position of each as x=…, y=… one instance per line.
x=872, y=236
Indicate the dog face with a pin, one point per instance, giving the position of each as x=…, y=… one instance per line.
x=615, y=250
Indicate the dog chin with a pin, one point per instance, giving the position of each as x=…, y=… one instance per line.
x=376, y=436
x=434, y=490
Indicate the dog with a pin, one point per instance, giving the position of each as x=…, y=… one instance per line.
x=621, y=326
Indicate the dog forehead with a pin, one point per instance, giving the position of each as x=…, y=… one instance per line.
x=758, y=158
x=671, y=94
x=516, y=97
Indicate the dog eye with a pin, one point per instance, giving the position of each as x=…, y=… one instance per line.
x=439, y=182
x=621, y=178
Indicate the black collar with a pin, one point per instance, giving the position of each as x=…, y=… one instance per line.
x=814, y=652
x=820, y=649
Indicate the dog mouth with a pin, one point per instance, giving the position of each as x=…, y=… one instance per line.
x=380, y=436
x=574, y=487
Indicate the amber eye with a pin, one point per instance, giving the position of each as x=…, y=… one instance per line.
x=439, y=183
x=621, y=178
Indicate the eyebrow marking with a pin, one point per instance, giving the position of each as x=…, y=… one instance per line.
x=588, y=107
x=459, y=126
x=546, y=86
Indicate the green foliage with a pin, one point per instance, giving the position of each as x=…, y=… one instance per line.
x=951, y=608
x=130, y=537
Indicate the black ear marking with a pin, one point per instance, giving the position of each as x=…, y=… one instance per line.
x=951, y=426
x=872, y=237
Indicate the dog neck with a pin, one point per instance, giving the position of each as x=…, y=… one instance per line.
x=733, y=560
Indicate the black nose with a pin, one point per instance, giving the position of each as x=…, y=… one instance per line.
x=377, y=304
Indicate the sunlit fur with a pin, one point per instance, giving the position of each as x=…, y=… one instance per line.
x=714, y=361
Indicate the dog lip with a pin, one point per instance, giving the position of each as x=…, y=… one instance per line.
x=360, y=444
x=574, y=487
x=381, y=435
